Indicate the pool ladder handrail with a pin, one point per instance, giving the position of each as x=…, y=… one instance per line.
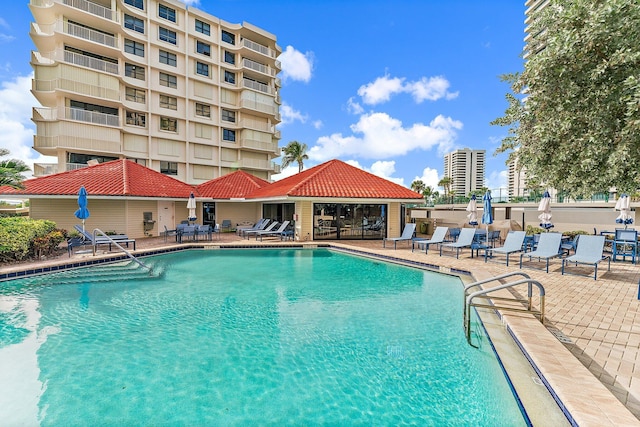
x=97, y=231
x=469, y=297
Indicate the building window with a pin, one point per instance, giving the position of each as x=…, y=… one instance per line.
x=202, y=69
x=203, y=48
x=230, y=77
x=228, y=135
x=135, y=3
x=168, y=36
x=135, y=71
x=135, y=95
x=168, y=168
x=133, y=23
x=228, y=116
x=169, y=102
x=168, y=80
x=136, y=119
x=203, y=27
x=166, y=13
x=203, y=110
x=228, y=37
x=168, y=58
x=168, y=124
x=133, y=47
x=229, y=58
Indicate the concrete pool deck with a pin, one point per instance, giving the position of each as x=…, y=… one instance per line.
x=598, y=322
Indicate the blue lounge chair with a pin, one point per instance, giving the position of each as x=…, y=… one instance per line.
x=589, y=251
x=407, y=234
x=101, y=240
x=271, y=226
x=465, y=239
x=260, y=225
x=548, y=248
x=255, y=226
x=512, y=244
x=437, y=238
x=277, y=232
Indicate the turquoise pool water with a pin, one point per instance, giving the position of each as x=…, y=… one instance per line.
x=246, y=337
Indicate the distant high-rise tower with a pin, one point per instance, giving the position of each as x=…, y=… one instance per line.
x=466, y=169
x=517, y=180
x=157, y=82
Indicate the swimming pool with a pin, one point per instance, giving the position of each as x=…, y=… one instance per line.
x=246, y=337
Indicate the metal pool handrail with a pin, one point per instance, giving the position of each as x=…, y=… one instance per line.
x=97, y=231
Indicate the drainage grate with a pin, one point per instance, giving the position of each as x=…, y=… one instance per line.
x=560, y=336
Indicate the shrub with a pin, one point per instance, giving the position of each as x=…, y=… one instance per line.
x=17, y=235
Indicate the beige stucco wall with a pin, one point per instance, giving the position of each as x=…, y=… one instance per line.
x=393, y=220
x=238, y=212
x=107, y=215
x=304, y=225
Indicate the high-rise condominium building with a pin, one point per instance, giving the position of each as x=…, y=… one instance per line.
x=169, y=86
x=533, y=8
x=466, y=169
x=517, y=185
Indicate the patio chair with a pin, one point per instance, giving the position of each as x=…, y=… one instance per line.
x=204, y=230
x=625, y=244
x=277, y=232
x=186, y=231
x=226, y=224
x=437, y=238
x=512, y=244
x=260, y=225
x=453, y=234
x=255, y=226
x=407, y=234
x=570, y=245
x=589, y=251
x=74, y=242
x=168, y=233
x=101, y=240
x=465, y=240
x=548, y=248
x=271, y=226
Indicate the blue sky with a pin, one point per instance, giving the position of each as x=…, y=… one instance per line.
x=389, y=86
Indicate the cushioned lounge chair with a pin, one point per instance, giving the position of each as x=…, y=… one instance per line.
x=254, y=227
x=465, y=240
x=512, y=244
x=101, y=240
x=589, y=251
x=270, y=227
x=437, y=238
x=277, y=232
x=548, y=248
x=407, y=234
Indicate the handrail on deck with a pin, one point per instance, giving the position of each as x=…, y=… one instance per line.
x=468, y=298
x=97, y=231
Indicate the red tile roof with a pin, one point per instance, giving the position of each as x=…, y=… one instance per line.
x=336, y=178
x=234, y=185
x=115, y=178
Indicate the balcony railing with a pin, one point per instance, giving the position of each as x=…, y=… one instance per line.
x=256, y=164
x=257, y=47
x=91, y=35
x=53, y=114
x=258, y=106
x=75, y=142
x=76, y=87
x=42, y=169
x=258, y=145
x=93, y=8
x=276, y=167
x=255, y=125
x=78, y=59
x=252, y=84
x=256, y=66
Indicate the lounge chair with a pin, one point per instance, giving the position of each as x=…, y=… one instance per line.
x=277, y=232
x=589, y=251
x=512, y=244
x=101, y=240
x=407, y=234
x=436, y=238
x=271, y=226
x=260, y=225
x=548, y=248
x=254, y=227
x=465, y=240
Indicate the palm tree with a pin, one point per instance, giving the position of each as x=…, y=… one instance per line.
x=11, y=171
x=427, y=193
x=446, y=184
x=295, y=152
x=418, y=186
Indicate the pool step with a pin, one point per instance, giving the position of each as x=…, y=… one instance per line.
x=120, y=272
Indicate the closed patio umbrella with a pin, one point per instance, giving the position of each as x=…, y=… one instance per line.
x=191, y=205
x=82, y=212
x=487, y=214
x=545, y=208
x=472, y=208
x=623, y=205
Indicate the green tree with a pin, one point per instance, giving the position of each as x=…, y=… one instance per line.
x=446, y=184
x=428, y=193
x=295, y=152
x=11, y=171
x=579, y=125
x=418, y=186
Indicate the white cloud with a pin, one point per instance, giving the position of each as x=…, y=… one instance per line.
x=429, y=177
x=353, y=107
x=317, y=124
x=287, y=172
x=289, y=115
x=380, y=136
x=296, y=65
x=190, y=2
x=427, y=88
x=16, y=104
x=497, y=179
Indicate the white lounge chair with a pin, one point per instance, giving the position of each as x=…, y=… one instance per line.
x=548, y=248
x=465, y=239
x=277, y=232
x=407, y=234
x=271, y=226
x=588, y=251
x=260, y=225
x=512, y=244
x=437, y=238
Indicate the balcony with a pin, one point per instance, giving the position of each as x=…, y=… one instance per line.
x=253, y=144
x=74, y=86
x=75, y=58
x=91, y=35
x=257, y=47
x=256, y=66
x=46, y=143
x=258, y=106
x=42, y=169
x=276, y=167
x=76, y=114
x=252, y=84
x=256, y=164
